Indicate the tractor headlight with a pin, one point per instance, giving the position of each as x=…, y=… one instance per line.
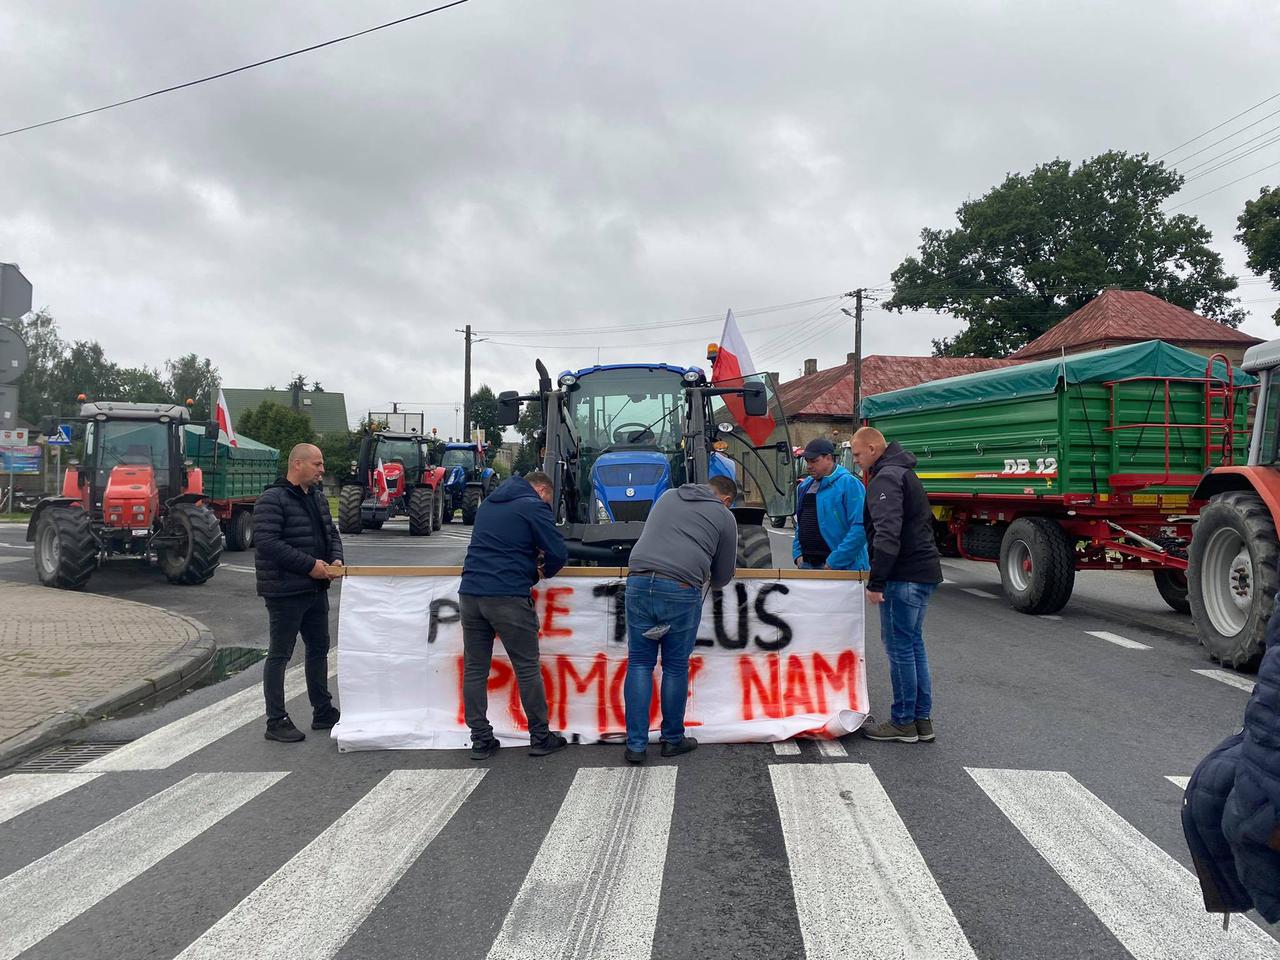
x=602, y=515
x=692, y=376
x=568, y=380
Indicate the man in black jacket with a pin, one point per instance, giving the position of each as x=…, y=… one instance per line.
x=298, y=553
x=905, y=570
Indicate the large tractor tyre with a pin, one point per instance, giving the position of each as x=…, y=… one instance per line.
x=66, y=551
x=1172, y=585
x=1037, y=566
x=470, y=504
x=1232, y=577
x=437, y=508
x=755, y=552
x=350, y=499
x=194, y=559
x=422, y=509
x=239, y=530
x=984, y=541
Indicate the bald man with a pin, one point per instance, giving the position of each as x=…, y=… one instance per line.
x=298, y=553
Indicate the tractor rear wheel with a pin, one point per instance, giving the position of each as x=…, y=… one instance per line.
x=1172, y=585
x=1037, y=566
x=470, y=504
x=1232, y=577
x=755, y=552
x=195, y=556
x=66, y=551
x=350, y=499
x=422, y=509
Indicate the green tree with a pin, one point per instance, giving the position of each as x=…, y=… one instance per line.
x=143, y=385
x=192, y=378
x=1041, y=245
x=339, y=447
x=45, y=349
x=529, y=425
x=277, y=426
x=84, y=369
x=1259, y=231
x=484, y=414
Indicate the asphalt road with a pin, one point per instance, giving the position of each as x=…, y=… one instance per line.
x=1042, y=822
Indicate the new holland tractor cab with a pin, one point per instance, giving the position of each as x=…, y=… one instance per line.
x=468, y=480
x=397, y=475
x=131, y=494
x=616, y=437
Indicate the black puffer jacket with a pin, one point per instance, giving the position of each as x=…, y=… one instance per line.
x=899, y=523
x=289, y=539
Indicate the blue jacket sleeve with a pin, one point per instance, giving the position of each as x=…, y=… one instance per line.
x=548, y=539
x=851, y=554
x=795, y=541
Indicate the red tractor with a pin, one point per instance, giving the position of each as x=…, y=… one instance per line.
x=398, y=474
x=131, y=495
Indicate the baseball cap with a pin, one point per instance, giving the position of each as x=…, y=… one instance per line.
x=819, y=447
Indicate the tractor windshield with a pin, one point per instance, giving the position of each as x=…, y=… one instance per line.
x=132, y=442
x=404, y=451
x=758, y=448
x=459, y=458
x=1268, y=420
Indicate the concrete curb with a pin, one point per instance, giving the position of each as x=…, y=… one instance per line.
x=171, y=676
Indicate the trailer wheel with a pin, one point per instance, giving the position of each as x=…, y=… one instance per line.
x=350, y=498
x=239, y=530
x=1037, y=566
x=421, y=509
x=66, y=552
x=984, y=541
x=194, y=559
x=755, y=552
x=1232, y=577
x=1172, y=585
x=470, y=504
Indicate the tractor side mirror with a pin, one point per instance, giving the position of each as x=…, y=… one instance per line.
x=211, y=432
x=508, y=408
x=754, y=401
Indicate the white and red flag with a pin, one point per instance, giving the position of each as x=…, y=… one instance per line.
x=381, y=489
x=224, y=419
x=731, y=366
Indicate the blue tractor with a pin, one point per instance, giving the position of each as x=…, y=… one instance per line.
x=468, y=480
x=615, y=437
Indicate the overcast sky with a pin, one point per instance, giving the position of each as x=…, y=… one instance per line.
x=538, y=165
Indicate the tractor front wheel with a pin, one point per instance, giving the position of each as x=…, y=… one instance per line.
x=437, y=515
x=470, y=504
x=421, y=511
x=66, y=551
x=350, y=499
x=194, y=557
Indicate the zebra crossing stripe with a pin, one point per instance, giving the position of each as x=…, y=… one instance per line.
x=1150, y=902
x=1179, y=782
x=19, y=792
x=45, y=895
x=593, y=888
x=832, y=748
x=312, y=905
x=862, y=888
x=1230, y=679
x=1118, y=640
x=786, y=748
x=178, y=740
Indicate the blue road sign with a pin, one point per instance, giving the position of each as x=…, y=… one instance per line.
x=62, y=438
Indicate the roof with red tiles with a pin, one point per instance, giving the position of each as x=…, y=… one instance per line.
x=1116, y=317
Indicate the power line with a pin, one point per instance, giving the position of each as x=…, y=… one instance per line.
x=1227, y=163
x=1218, y=127
x=227, y=73
x=1229, y=136
x=1225, y=185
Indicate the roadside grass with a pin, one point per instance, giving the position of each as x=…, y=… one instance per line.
x=333, y=506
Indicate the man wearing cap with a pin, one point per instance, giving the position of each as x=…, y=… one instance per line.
x=829, y=514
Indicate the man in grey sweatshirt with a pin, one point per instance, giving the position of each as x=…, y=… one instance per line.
x=690, y=537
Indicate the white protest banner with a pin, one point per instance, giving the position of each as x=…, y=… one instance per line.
x=779, y=654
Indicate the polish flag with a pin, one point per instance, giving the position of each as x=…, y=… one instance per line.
x=380, y=488
x=224, y=419
x=732, y=364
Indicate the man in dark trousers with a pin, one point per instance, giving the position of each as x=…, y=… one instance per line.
x=298, y=551
x=514, y=543
x=689, y=538
x=905, y=570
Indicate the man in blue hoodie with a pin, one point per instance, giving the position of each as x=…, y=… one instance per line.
x=829, y=508
x=514, y=543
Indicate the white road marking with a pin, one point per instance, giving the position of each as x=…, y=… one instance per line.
x=1179, y=782
x=177, y=740
x=236, y=568
x=1150, y=902
x=1231, y=679
x=980, y=593
x=13, y=559
x=862, y=888
x=19, y=792
x=832, y=748
x=786, y=748
x=45, y=895
x=1049, y=616
x=17, y=546
x=312, y=905
x=593, y=888
x=1118, y=640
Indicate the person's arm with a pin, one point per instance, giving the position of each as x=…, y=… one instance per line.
x=885, y=498
x=547, y=539
x=725, y=559
x=853, y=548
x=795, y=540
x=268, y=528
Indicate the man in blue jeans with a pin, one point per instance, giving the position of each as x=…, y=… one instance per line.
x=905, y=570
x=690, y=537
x=829, y=509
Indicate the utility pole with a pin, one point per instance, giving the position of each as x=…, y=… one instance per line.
x=857, y=354
x=466, y=385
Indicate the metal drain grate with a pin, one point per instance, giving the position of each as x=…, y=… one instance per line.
x=69, y=756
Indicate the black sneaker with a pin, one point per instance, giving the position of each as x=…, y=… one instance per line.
x=548, y=744
x=325, y=718
x=284, y=731
x=484, y=749
x=634, y=756
x=686, y=745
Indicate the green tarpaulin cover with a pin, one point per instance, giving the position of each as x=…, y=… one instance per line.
x=246, y=449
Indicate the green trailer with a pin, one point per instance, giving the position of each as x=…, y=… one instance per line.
x=233, y=479
x=1083, y=462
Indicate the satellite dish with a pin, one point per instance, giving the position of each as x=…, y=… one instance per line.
x=13, y=355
